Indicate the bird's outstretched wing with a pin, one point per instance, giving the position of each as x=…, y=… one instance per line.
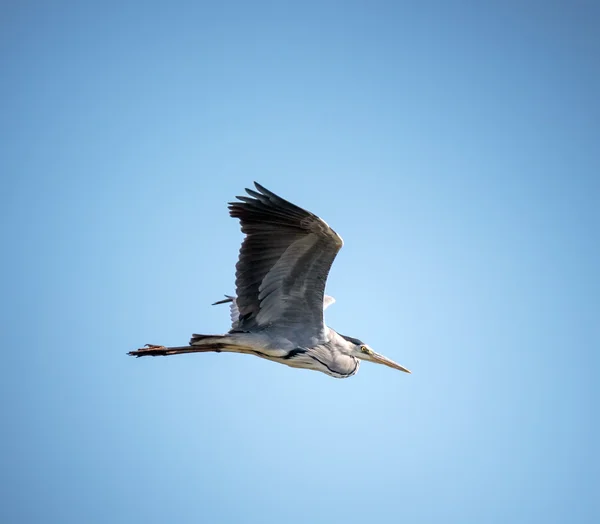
x=234, y=312
x=283, y=266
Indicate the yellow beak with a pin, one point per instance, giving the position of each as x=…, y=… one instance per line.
x=380, y=359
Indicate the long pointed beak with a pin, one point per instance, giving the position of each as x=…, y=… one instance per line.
x=380, y=359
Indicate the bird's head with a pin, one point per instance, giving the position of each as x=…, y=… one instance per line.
x=364, y=352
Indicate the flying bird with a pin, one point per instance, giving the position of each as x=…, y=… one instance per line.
x=277, y=313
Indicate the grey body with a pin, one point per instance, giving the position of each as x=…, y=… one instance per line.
x=277, y=313
x=326, y=356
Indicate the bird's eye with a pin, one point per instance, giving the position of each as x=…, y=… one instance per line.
x=364, y=349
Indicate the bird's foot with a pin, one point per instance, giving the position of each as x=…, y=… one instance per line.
x=148, y=349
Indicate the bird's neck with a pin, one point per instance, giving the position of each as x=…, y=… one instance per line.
x=342, y=344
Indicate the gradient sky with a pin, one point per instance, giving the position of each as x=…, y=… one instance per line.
x=454, y=146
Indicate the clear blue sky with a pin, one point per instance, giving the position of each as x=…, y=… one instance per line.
x=454, y=146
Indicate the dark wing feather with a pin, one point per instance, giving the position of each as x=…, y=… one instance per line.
x=283, y=265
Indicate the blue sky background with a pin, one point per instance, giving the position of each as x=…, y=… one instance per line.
x=456, y=148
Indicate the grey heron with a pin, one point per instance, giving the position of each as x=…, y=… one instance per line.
x=277, y=313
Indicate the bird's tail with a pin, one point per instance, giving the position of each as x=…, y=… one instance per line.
x=205, y=341
x=198, y=344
